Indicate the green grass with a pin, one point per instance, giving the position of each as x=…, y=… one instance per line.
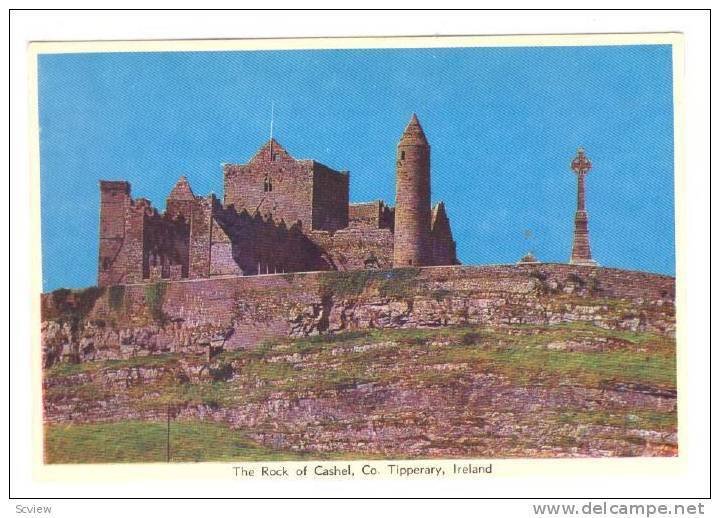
x=520, y=357
x=523, y=357
x=306, y=367
x=144, y=441
x=397, y=283
x=87, y=392
x=64, y=369
x=587, y=368
x=215, y=394
x=633, y=419
x=298, y=368
x=518, y=353
x=190, y=441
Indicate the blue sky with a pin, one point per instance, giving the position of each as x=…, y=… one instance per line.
x=503, y=124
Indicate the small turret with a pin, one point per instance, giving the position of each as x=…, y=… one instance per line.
x=412, y=202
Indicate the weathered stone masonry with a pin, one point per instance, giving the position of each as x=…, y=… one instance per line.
x=412, y=215
x=278, y=214
x=238, y=312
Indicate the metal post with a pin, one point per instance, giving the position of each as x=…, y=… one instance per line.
x=168, y=434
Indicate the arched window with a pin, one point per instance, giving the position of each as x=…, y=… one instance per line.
x=402, y=155
x=266, y=185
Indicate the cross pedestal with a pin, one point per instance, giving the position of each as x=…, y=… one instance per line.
x=581, y=253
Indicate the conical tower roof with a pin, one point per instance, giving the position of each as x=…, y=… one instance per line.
x=413, y=134
x=182, y=190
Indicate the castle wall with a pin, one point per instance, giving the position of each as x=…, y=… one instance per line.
x=443, y=248
x=181, y=245
x=331, y=197
x=114, y=202
x=180, y=208
x=222, y=261
x=356, y=248
x=135, y=266
x=137, y=243
x=165, y=246
x=441, y=238
x=244, y=311
x=374, y=214
x=252, y=245
x=201, y=237
x=247, y=187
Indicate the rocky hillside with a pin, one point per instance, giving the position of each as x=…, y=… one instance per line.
x=436, y=363
x=230, y=313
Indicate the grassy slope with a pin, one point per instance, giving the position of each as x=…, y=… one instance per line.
x=137, y=441
x=518, y=354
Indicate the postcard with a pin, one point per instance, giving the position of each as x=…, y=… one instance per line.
x=390, y=257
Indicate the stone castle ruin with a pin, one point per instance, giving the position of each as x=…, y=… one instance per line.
x=278, y=214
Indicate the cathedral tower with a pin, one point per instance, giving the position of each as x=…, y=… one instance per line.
x=412, y=198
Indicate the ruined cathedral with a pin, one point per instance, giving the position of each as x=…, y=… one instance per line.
x=278, y=214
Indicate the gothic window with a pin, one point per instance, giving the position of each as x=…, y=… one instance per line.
x=106, y=263
x=266, y=184
x=402, y=155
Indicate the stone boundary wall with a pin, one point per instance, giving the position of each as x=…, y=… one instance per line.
x=238, y=312
x=355, y=248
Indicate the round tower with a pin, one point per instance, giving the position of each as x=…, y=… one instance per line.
x=412, y=198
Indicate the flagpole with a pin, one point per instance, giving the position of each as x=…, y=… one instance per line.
x=272, y=121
